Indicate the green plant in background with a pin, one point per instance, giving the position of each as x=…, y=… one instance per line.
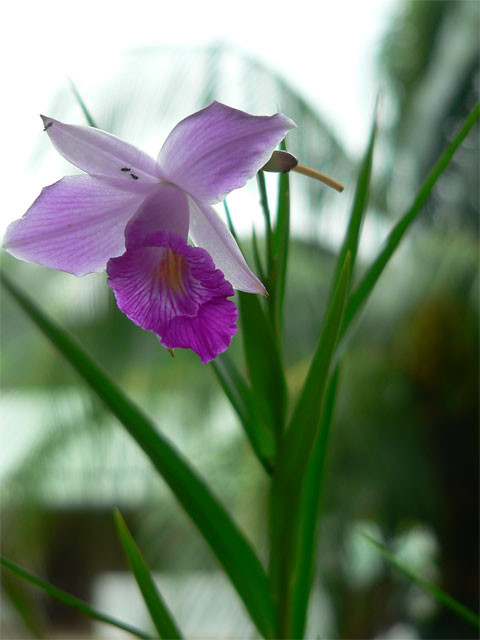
x=291, y=443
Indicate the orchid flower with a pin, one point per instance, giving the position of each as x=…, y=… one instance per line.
x=132, y=215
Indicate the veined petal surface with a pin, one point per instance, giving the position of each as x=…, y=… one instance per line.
x=75, y=225
x=208, y=231
x=100, y=153
x=166, y=208
x=208, y=333
x=173, y=289
x=218, y=149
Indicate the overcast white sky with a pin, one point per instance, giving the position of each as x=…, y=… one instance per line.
x=325, y=49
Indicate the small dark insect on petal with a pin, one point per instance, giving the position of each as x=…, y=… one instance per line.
x=47, y=126
x=125, y=169
x=134, y=176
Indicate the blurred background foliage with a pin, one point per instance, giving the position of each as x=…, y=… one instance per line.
x=403, y=463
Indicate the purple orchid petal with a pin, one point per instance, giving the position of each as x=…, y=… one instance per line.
x=208, y=333
x=218, y=149
x=173, y=289
x=74, y=225
x=133, y=215
x=165, y=209
x=100, y=153
x=207, y=230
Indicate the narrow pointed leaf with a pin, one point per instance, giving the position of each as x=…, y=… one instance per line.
x=363, y=290
x=264, y=364
x=225, y=539
x=311, y=491
x=161, y=616
x=268, y=224
x=15, y=593
x=304, y=424
x=83, y=106
x=240, y=395
x=280, y=248
x=309, y=513
x=277, y=237
x=72, y=601
x=259, y=418
x=256, y=257
x=230, y=222
x=295, y=453
x=359, y=207
x=435, y=591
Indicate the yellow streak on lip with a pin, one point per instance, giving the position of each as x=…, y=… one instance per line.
x=171, y=270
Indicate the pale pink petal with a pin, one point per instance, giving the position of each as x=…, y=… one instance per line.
x=168, y=287
x=100, y=153
x=218, y=149
x=74, y=225
x=208, y=231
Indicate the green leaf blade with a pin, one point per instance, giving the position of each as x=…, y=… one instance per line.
x=17, y=597
x=161, y=616
x=301, y=435
x=435, y=591
x=72, y=601
x=256, y=257
x=359, y=207
x=295, y=454
x=237, y=391
x=309, y=509
x=230, y=222
x=309, y=499
x=212, y=520
x=265, y=370
x=363, y=290
x=268, y=225
x=83, y=106
x=281, y=235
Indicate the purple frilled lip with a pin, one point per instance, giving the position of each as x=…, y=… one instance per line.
x=132, y=215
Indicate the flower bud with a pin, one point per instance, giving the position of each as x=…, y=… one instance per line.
x=280, y=162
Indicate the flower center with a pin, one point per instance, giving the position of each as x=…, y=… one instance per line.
x=171, y=270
